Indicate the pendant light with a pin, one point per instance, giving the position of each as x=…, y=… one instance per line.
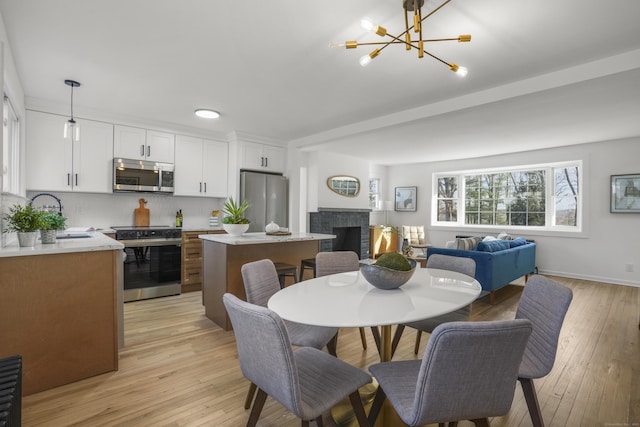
x=71, y=128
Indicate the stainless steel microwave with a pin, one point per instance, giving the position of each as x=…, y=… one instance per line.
x=142, y=175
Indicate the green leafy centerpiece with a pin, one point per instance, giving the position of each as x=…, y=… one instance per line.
x=234, y=221
x=390, y=271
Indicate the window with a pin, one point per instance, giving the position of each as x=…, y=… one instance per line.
x=10, y=139
x=545, y=197
x=374, y=194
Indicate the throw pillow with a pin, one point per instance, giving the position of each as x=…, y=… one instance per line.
x=451, y=244
x=504, y=236
x=468, y=243
x=493, y=246
x=517, y=242
x=489, y=238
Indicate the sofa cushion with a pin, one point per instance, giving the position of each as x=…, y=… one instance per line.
x=493, y=246
x=517, y=242
x=468, y=243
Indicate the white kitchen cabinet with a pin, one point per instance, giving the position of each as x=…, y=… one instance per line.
x=262, y=157
x=58, y=164
x=201, y=167
x=142, y=144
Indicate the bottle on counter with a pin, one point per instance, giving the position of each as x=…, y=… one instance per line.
x=179, y=218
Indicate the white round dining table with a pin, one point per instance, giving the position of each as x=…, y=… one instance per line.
x=348, y=300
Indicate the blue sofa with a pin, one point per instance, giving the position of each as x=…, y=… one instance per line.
x=499, y=264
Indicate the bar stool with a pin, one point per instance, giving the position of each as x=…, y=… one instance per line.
x=307, y=263
x=283, y=269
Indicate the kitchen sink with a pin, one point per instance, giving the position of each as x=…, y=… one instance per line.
x=73, y=236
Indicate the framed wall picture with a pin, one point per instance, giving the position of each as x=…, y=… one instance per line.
x=406, y=199
x=625, y=193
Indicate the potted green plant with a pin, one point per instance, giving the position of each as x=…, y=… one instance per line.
x=234, y=221
x=26, y=221
x=51, y=223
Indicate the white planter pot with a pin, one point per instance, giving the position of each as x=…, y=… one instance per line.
x=235, y=229
x=27, y=239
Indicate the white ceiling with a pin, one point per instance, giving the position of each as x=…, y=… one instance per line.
x=542, y=73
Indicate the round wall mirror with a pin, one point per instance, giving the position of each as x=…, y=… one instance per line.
x=344, y=185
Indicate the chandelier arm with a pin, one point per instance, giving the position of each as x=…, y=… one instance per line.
x=435, y=10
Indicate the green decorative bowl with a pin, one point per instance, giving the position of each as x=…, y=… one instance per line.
x=386, y=278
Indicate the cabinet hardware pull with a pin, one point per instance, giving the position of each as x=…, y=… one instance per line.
x=266, y=162
x=76, y=184
x=69, y=179
x=142, y=150
x=148, y=151
x=205, y=187
x=200, y=191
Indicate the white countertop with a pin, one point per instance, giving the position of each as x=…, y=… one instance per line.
x=97, y=242
x=258, y=238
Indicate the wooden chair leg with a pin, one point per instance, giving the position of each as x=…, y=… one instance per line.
x=250, y=393
x=416, y=347
x=258, y=404
x=305, y=423
x=376, y=336
x=319, y=422
x=363, y=338
x=481, y=422
x=378, y=400
x=332, y=345
x=531, y=397
x=358, y=409
x=396, y=339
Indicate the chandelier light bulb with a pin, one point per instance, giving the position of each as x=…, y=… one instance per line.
x=462, y=72
x=367, y=24
x=365, y=60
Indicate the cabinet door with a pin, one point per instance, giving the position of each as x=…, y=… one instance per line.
x=188, y=166
x=129, y=142
x=48, y=153
x=252, y=156
x=274, y=158
x=93, y=158
x=215, y=155
x=160, y=146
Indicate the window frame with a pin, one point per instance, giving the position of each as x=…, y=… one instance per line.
x=549, y=200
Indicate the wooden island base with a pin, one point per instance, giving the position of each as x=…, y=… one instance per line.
x=222, y=262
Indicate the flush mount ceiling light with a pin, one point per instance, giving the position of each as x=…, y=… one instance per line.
x=207, y=114
x=405, y=38
x=71, y=128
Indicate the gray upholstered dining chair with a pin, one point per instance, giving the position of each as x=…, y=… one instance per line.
x=444, y=262
x=342, y=262
x=468, y=372
x=261, y=281
x=307, y=381
x=545, y=303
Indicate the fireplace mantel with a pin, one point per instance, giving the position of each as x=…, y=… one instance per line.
x=326, y=219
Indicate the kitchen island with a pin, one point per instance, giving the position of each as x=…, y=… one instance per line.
x=60, y=309
x=223, y=257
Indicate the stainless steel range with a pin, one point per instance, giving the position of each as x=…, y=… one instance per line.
x=152, y=261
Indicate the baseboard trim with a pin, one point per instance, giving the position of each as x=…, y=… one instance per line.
x=591, y=278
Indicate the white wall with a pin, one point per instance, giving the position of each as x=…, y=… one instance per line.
x=324, y=165
x=106, y=210
x=608, y=242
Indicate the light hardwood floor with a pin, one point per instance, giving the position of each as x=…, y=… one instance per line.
x=179, y=369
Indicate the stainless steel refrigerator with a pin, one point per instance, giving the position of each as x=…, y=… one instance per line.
x=268, y=197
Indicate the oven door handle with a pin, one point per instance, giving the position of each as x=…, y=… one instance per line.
x=139, y=243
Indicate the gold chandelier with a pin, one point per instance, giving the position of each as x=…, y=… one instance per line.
x=405, y=38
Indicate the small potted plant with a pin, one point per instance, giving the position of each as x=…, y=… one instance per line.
x=26, y=221
x=234, y=221
x=51, y=223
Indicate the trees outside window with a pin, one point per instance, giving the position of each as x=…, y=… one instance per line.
x=543, y=197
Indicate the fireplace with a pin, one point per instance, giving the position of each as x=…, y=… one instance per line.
x=350, y=226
